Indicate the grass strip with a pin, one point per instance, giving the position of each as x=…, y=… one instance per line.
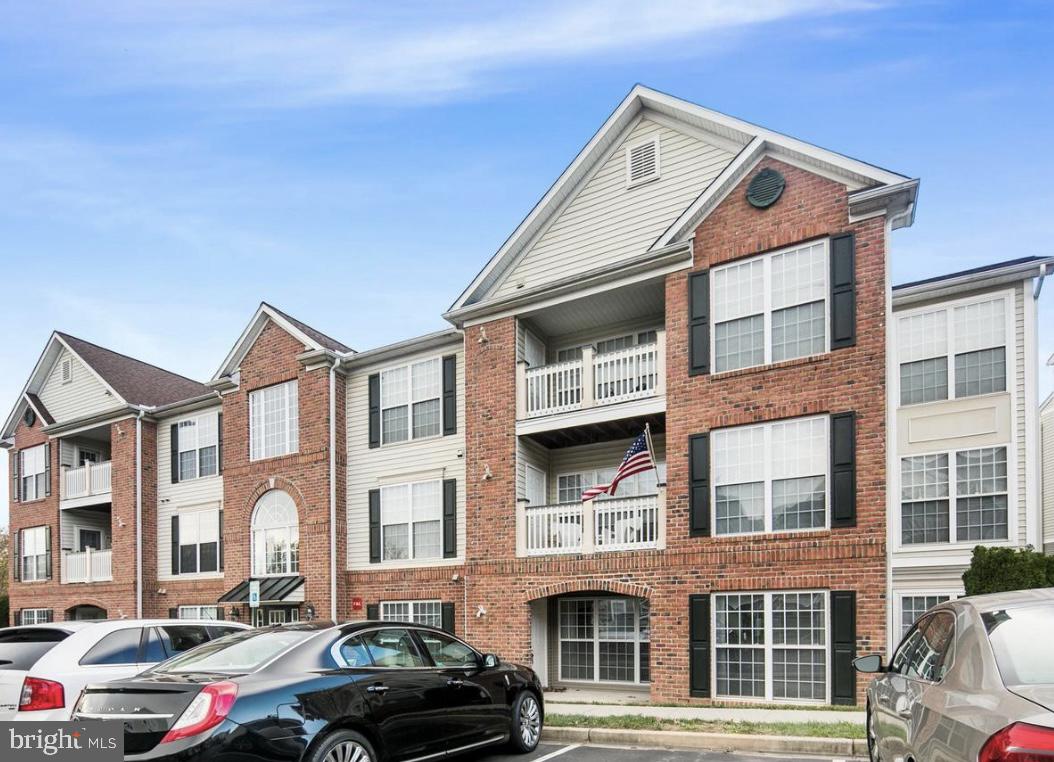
x=641, y=722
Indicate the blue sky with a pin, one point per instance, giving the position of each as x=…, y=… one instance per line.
x=165, y=166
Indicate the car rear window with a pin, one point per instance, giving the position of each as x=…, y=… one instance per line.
x=20, y=649
x=244, y=652
x=1023, y=658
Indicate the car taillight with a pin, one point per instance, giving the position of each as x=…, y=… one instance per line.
x=208, y=709
x=40, y=694
x=1019, y=742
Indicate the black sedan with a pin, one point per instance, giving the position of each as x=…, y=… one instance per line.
x=361, y=692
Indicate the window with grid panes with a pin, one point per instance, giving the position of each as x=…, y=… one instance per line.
x=35, y=616
x=914, y=606
x=412, y=521
x=570, y=486
x=198, y=612
x=428, y=613
x=411, y=401
x=770, y=477
x=274, y=421
x=199, y=541
x=33, y=472
x=770, y=308
x=198, y=440
x=34, y=551
x=604, y=640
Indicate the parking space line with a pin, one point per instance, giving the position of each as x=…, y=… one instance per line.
x=558, y=752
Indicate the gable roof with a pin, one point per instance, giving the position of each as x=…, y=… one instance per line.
x=311, y=339
x=752, y=142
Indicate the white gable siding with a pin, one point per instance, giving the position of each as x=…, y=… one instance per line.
x=440, y=457
x=84, y=395
x=1021, y=365
x=608, y=223
x=183, y=497
x=1046, y=454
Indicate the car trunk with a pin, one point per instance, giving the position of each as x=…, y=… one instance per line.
x=1043, y=695
x=20, y=649
x=149, y=705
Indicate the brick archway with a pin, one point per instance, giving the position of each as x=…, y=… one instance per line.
x=587, y=585
x=273, y=483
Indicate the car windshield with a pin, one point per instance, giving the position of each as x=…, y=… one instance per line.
x=244, y=652
x=1023, y=658
x=20, y=649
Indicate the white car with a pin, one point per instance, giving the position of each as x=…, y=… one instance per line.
x=43, y=667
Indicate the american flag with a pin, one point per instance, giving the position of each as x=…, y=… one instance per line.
x=638, y=458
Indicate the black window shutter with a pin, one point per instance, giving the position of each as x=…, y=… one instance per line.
x=843, y=291
x=220, y=542
x=843, y=469
x=375, y=410
x=173, y=613
x=375, y=526
x=47, y=468
x=175, y=544
x=843, y=647
x=16, y=456
x=219, y=446
x=699, y=323
x=699, y=485
x=17, y=555
x=373, y=611
x=699, y=645
x=449, y=395
x=174, y=455
x=220, y=613
x=18, y=617
x=450, y=518
x=47, y=552
x=448, y=617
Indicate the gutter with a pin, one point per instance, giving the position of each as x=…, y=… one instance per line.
x=986, y=279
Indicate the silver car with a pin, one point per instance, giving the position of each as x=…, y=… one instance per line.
x=972, y=680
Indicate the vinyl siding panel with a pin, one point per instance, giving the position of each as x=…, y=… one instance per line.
x=73, y=518
x=1020, y=413
x=606, y=222
x=433, y=458
x=185, y=497
x=84, y=395
x=1046, y=453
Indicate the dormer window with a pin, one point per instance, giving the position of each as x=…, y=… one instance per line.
x=642, y=162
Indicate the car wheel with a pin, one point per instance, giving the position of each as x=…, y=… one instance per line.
x=344, y=746
x=526, y=728
x=872, y=735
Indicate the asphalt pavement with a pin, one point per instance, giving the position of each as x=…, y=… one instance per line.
x=572, y=753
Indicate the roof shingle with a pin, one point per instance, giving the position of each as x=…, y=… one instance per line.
x=325, y=341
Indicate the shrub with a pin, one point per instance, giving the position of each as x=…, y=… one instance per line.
x=997, y=570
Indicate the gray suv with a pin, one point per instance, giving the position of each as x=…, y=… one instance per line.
x=972, y=680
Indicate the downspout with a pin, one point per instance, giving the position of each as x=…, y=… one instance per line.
x=1044, y=270
x=139, y=513
x=333, y=490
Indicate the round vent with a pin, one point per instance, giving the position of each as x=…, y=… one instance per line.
x=766, y=188
x=30, y=417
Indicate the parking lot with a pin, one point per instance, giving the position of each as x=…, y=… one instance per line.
x=573, y=753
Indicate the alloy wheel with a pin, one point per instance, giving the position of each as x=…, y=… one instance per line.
x=530, y=722
x=348, y=751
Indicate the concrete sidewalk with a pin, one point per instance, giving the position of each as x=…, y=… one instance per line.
x=718, y=714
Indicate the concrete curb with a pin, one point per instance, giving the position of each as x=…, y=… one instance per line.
x=680, y=739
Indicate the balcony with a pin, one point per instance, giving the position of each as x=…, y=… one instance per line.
x=85, y=485
x=87, y=566
x=595, y=380
x=601, y=525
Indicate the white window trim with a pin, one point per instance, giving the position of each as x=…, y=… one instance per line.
x=766, y=315
x=898, y=610
x=412, y=557
x=23, y=474
x=292, y=434
x=591, y=478
x=291, y=529
x=22, y=554
x=39, y=616
x=197, y=450
x=768, y=479
x=186, y=611
x=412, y=608
x=104, y=534
x=596, y=681
x=634, y=333
x=631, y=147
x=949, y=307
x=1012, y=508
x=770, y=646
x=196, y=511
x=410, y=401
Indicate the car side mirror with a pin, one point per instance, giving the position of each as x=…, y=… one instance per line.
x=869, y=664
x=490, y=661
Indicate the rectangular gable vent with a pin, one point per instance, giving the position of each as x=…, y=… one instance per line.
x=642, y=162
x=67, y=370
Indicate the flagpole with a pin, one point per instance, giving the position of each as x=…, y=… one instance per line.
x=651, y=451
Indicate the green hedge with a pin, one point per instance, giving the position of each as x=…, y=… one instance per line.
x=997, y=570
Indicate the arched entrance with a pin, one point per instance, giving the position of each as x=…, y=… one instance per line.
x=84, y=612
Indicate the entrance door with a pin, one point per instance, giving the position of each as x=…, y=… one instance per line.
x=536, y=487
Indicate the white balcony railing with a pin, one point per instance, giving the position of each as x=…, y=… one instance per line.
x=87, y=566
x=88, y=480
x=596, y=379
x=628, y=523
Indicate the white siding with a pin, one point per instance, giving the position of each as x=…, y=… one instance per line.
x=606, y=223
x=437, y=457
x=1046, y=453
x=1021, y=364
x=183, y=497
x=72, y=518
x=84, y=395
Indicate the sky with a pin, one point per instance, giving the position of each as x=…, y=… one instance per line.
x=164, y=167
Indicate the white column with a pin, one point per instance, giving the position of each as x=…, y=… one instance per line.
x=588, y=526
x=660, y=518
x=521, y=527
x=521, y=390
x=660, y=362
x=88, y=565
x=588, y=386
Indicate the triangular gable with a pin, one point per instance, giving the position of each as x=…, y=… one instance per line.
x=645, y=102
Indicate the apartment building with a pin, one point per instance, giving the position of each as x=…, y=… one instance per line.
x=964, y=435
x=723, y=287
x=1046, y=424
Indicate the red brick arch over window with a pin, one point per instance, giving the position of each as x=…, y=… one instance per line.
x=273, y=483
x=588, y=586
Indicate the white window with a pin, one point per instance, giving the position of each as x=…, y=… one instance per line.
x=34, y=550
x=274, y=421
x=611, y=344
x=770, y=477
x=914, y=605
x=604, y=640
x=642, y=161
x=412, y=521
x=958, y=496
x=199, y=542
x=35, y=616
x=428, y=613
x=33, y=472
x=411, y=405
x=199, y=612
x=276, y=535
x=953, y=352
x=771, y=646
x=770, y=308
x=569, y=487
x=198, y=439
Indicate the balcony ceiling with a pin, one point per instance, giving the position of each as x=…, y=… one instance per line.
x=605, y=431
x=635, y=302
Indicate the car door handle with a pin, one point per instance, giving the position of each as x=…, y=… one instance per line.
x=455, y=682
x=377, y=688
